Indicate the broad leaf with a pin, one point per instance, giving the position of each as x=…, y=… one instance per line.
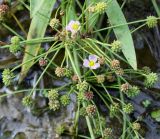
x=122, y=33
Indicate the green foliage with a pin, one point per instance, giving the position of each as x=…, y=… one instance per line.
x=37, y=30
x=123, y=34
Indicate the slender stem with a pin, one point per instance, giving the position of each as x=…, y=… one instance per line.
x=11, y=30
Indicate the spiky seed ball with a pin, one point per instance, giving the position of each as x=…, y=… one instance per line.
x=80, y=96
x=27, y=101
x=107, y=132
x=60, y=129
x=88, y=95
x=136, y=126
x=114, y=109
x=146, y=70
x=115, y=64
x=42, y=62
x=7, y=76
x=54, y=105
x=119, y=71
x=91, y=9
x=53, y=94
x=82, y=86
x=68, y=72
x=3, y=11
x=91, y=110
x=62, y=13
x=133, y=91
x=14, y=48
x=128, y=108
x=65, y=100
x=116, y=46
x=101, y=60
x=15, y=40
x=100, y=78
x=60, y=72
x=82, y=111
x=100, y=7
x=125, y=87
x=75, y=78
x=54, y=23
x=151, y=79
x=110, y=78
x=3, y=8
x=151, y=21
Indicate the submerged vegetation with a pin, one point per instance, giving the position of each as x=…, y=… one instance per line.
x=88, y=45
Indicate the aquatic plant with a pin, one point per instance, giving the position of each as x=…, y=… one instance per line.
x=87, y=57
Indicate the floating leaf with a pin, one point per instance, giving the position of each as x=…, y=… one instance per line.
x=122, y=33
x=37, y=30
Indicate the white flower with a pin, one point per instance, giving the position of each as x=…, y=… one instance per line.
x=73, y=26
x=91, y=62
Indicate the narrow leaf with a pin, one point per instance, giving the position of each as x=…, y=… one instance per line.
x=122, y=33
x=35, y=5
x=92, y=18
x=37, y=30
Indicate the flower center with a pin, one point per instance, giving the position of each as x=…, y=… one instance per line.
x=75, y=26
x=91, y=63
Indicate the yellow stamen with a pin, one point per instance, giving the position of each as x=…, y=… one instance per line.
x=75, y=26
x=91, y=63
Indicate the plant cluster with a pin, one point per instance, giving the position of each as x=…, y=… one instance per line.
x=93, y=65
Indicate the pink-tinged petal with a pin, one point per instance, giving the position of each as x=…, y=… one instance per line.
x=96, y=66
x=93, y=58
x=86, y=63
x=68, y=28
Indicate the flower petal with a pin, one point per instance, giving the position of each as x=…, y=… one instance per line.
x=93, y=58
x=96, y=66
x=86, y=63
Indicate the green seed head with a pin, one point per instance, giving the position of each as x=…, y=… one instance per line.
x=83, y=112
x=151, y=79
x=116, y=46
x=100, y=78
x=136, y=126
x=53, y=94
x=91, y=110
x=7, y=76
x=151, y=21
x=54, y=23
x=82, y=86
x=15, y=40
x=107, y=132
x=128, y=108
x=27, y=101
x=133, y=91
x=100, y=7
x=54, y=105
x=60, y=72
x=14, y=48
x=65, y=100
x=60, y=129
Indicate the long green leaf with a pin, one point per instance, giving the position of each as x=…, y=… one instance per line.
x=122, y=33
x=35, y=5
x=37, y=30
